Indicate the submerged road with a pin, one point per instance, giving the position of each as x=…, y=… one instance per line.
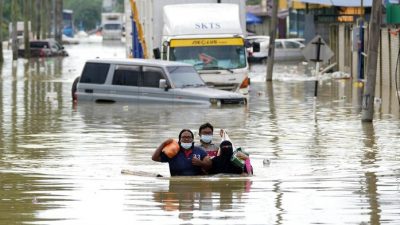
x=314, y=161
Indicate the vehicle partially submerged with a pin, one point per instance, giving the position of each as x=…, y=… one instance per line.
x=43, y=48
x=144, y=80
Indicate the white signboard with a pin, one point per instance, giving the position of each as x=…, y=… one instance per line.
x=317, y=50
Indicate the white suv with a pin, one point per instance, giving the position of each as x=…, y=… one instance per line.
x=143, y=80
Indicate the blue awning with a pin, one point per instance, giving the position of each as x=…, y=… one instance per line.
x=252, y=19
x=344, y=3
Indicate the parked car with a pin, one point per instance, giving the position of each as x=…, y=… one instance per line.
x=285, y=49
x=145, y=80
x=288, y=50
x=44, y=48
x=301, y=40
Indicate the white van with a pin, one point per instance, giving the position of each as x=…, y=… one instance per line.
x=144, y=80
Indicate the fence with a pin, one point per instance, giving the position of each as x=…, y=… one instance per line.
x=387, y=78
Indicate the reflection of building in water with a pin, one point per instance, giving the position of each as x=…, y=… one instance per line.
x=187, y=195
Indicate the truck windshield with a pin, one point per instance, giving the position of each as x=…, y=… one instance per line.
x=184, y=76
x=112, y=26
x=210, y=57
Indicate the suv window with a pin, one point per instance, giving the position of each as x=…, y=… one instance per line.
x=39, y=44
x=126, y=75
x=54, y=46
x=152, y=76
x=95, y=73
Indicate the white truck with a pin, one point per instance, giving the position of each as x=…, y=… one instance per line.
x=208, y=35
x=111, y=24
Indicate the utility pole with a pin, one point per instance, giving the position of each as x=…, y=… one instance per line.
x=272, y=36
x=372, y=61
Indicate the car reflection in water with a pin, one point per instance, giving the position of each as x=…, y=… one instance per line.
x=190, y=194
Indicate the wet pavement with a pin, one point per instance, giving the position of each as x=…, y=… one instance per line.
x=314, y=161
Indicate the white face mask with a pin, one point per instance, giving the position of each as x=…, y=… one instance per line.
x=206, y=138
x=186, y=145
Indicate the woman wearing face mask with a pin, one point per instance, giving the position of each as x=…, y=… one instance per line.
x=222, y=163
x=206, y=137
x=189, y=161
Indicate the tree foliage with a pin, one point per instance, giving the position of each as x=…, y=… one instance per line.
x=88, y=12
x=253, y=2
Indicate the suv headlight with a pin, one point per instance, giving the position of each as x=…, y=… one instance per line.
x=215, y=101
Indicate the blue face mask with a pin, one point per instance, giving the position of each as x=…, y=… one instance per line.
x=186, y=145
x=206, y=138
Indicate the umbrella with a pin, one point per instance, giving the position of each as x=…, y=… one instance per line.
x=252, y=19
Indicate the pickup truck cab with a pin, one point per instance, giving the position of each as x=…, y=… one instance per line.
x=145, y=80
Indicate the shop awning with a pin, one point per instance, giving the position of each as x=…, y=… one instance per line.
x=343, y=3
x=252, y=19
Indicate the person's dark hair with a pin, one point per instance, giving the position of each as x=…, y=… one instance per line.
x=206, y=125
x=180, y=134
x=226, y=143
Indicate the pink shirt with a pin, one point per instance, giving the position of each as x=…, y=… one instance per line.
x=211, y=149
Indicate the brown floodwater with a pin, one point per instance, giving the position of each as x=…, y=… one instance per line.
x=314, y=161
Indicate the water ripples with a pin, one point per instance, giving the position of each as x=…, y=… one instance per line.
x=314, y=161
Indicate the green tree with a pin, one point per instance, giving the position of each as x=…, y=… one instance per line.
x=253, y=2
x=89, y=12
x=86, y=12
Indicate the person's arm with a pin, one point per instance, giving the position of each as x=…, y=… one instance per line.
x=157, y=153
x=205, y=163
x=241, y=155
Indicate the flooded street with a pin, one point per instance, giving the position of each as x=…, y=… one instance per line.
x=314, y=161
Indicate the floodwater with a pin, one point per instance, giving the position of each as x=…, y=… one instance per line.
x=315, y=162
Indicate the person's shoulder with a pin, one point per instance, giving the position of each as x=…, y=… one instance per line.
x=215, y=146
x=199, y=146
x=199, y=149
